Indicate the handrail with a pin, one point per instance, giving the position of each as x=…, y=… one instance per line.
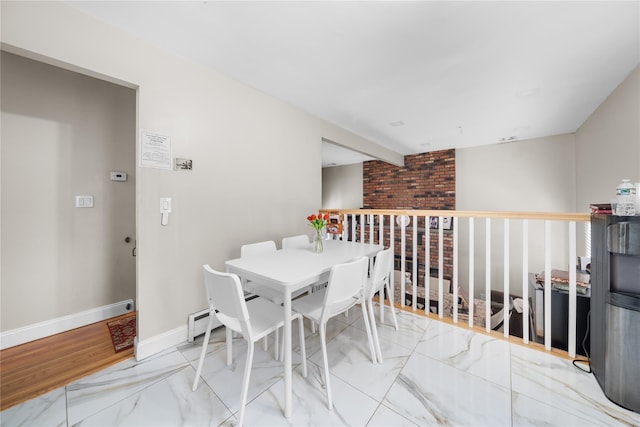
x=553, y=216
x=360, y=231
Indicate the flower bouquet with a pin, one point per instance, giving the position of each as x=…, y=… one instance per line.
x=318, y=222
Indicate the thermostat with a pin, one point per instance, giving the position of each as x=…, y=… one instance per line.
x=118, y=176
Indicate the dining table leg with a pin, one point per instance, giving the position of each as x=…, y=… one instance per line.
x=288, y=376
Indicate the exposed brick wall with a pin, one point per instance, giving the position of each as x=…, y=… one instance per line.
x=426, y=181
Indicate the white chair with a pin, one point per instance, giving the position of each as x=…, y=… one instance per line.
x=295, y=242
x=254, y=249
x=254, y=319
x=378, y=282
x=257, y=249
x=381, y=279
x=344, y=290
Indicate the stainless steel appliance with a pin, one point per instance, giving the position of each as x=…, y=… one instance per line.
x=615, y=307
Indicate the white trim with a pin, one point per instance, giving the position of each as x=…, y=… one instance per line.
x=161, y=342
x=61, y=324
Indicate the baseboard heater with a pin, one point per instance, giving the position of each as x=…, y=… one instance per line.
x=198, y=321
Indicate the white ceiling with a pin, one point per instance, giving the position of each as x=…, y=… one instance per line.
x=411, y=76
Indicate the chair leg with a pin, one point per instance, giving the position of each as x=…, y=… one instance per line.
x=374, y=331
x=365, y=317
x=265, y=345
x=202, y=354
x=229, y=334
x=276, y=345
x=245, y=383
x=392, y=307
x=381, y=300
x=303, y=350
x=313, y=327
x=327, y=381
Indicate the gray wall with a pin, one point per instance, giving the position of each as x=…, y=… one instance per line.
x=62, y=134
x=342, y=187
x=608, y=145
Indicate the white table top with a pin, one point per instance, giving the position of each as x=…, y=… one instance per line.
x=297, y=268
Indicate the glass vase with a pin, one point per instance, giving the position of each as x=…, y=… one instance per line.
x=318, y=246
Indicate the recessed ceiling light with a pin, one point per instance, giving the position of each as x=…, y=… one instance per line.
x=425, y=144
x=397, y=123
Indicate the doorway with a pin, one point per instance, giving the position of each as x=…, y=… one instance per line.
x=68, y=210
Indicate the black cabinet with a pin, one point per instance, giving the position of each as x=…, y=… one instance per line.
x=560, y=318
x=560, y=321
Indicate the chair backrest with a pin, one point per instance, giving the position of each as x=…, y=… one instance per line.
x=226, y=300
x=381, y=272
x=295, y=242
x=257, y=248
x=345, y=287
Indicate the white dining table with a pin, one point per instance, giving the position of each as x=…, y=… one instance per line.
x=289, y=270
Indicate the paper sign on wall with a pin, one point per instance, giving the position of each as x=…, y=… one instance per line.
x=155, y=150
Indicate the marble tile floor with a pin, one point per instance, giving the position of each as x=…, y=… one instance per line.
x=433, y=374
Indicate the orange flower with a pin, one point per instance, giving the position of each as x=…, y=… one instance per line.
x=318, y=222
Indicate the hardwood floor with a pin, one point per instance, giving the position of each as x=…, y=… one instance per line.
x=32, y=369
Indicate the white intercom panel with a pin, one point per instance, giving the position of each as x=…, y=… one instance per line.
x=165, y=209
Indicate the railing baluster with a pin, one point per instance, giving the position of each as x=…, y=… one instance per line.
x=547, y=285
x=414, y=272
x=345, y=224
x=572, y=290
x=487, y=280
x=505, y=296
x=403, y=239
x=353, y=228
x=362, y=229
x=427, y=265
x=525, y=281
x=392, y=224
x=441, y=268
x=381, y=293
x=472, y=289
x=455, y=269
x=371, y=239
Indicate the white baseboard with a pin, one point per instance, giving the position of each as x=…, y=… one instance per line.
x=55, y=326
x=161, y=342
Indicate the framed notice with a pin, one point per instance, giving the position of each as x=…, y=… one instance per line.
x=155, y=151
